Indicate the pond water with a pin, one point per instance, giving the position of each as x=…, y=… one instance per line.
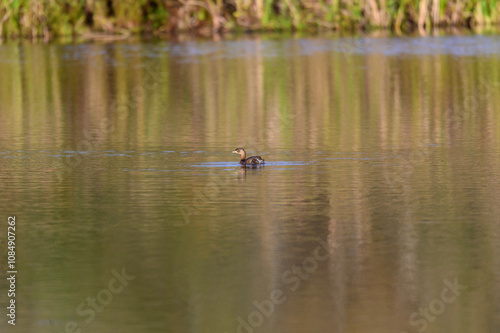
x=377, y=209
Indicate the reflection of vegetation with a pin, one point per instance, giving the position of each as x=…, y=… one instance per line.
x=48, y=18
x=265, y=100
x=328, y=102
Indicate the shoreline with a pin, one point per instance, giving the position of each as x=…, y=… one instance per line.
x=99, y=37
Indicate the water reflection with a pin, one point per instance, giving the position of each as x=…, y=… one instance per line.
x=384, y=152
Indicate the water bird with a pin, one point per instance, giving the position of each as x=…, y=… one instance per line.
x=252, y=160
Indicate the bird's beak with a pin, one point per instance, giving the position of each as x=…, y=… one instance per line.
x=235, y=152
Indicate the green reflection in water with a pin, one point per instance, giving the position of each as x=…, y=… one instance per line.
x=119, y=155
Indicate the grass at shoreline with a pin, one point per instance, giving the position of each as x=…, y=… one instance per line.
x=51, y=18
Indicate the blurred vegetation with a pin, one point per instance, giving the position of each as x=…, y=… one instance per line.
x=48, y=18
x=302, y=102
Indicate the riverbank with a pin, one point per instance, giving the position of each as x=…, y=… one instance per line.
x=47, y=19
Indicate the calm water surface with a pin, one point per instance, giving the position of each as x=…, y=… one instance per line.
x=377, y=210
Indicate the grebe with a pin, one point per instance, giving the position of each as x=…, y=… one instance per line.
x=252, y=160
